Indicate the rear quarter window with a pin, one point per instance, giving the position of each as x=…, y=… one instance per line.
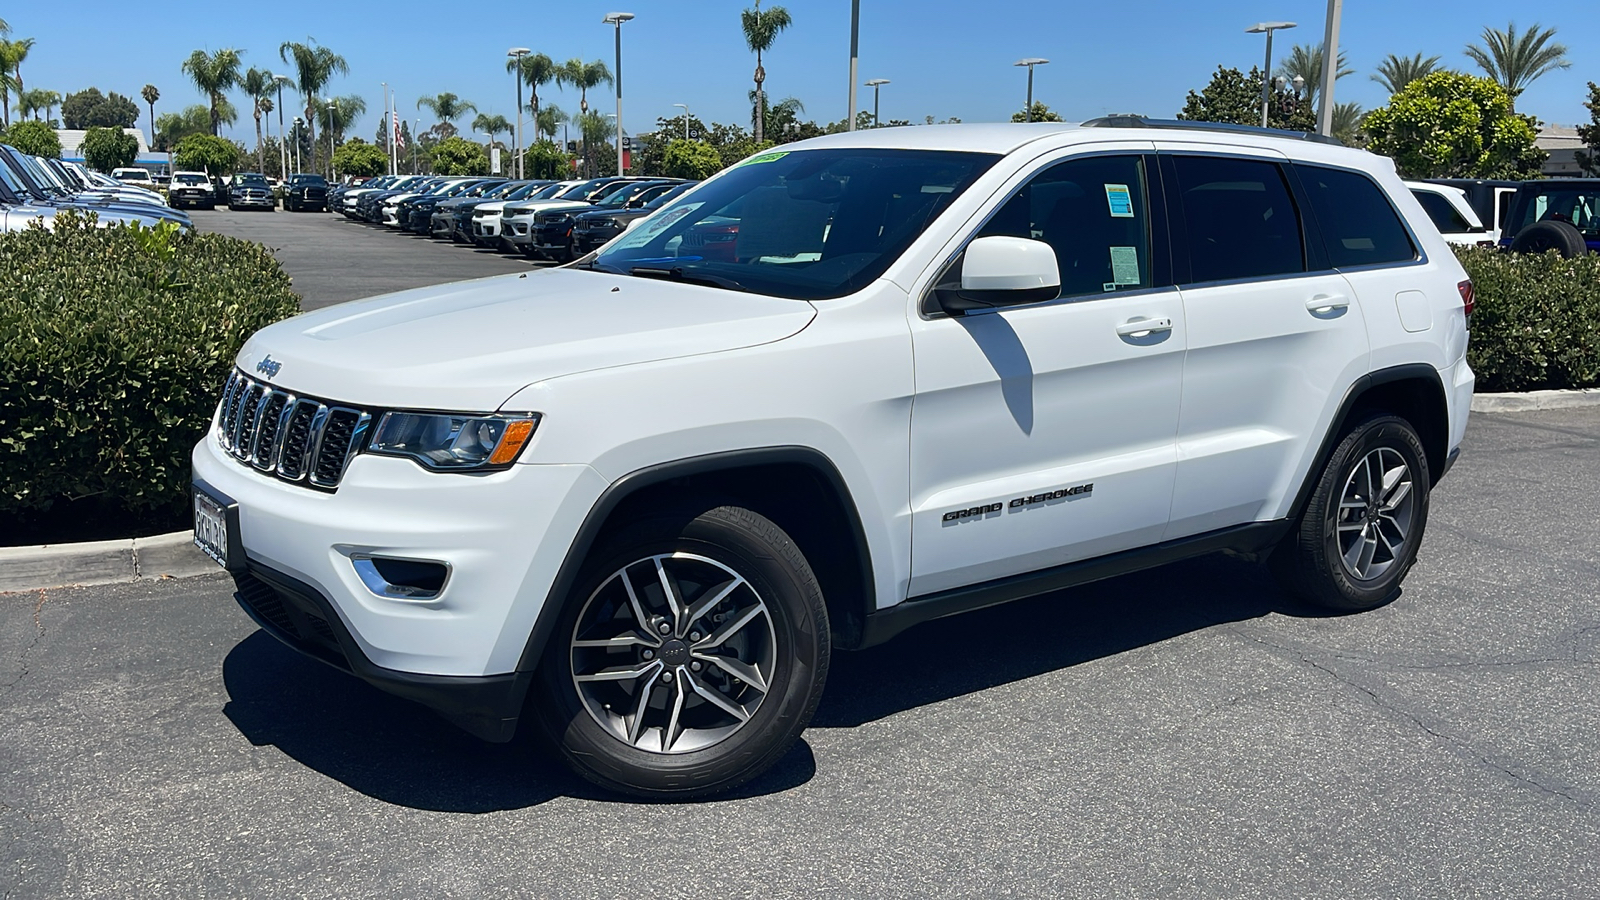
x=1444, y=216
x=1359, y=225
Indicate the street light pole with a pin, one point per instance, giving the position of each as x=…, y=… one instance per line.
x=855, y=44
x=332, y=175
x=1330, y=66
x=685, y=107
x=283, y=145
x=1266, y=76
x=297, y=123
x=517, y=53
x=1030, y=62
x=617, y=18
x=875, y=84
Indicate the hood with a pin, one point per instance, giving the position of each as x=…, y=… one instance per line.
x=471, y=345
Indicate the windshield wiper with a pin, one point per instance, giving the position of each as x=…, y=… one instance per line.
x=676, y=273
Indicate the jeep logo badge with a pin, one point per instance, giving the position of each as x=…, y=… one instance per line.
x=268, y=366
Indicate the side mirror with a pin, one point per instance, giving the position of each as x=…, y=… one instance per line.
x=999, y=271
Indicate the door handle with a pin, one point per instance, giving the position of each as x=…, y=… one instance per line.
x=1144, y=327
x=1327, y=303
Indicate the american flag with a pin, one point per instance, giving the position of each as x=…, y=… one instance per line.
x=399, y=139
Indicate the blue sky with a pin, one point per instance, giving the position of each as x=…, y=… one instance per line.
x=943, y=57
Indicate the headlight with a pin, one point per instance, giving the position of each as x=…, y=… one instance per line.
x=454, y=442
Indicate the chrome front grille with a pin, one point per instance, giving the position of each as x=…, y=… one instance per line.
x=302, y=440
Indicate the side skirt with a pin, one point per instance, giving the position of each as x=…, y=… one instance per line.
x=884, y=624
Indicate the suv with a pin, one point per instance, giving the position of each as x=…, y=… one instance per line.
x=645, y=496
x=1561, y=214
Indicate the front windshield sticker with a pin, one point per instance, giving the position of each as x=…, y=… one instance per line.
x=651, y=227
x=765, y=158
x=1125, y=265
x=1120, y=201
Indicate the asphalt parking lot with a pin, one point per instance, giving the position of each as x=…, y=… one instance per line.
x=333, y=259
x=1186, y=732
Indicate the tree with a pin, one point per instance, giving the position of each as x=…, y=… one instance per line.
x=1515, y=61
x=12, y=53
x=536, y=70
x=259, y=87
x=214, y=75
x=447, y=107
x=33, y=138
x=583, y=76
x=88, y=108
x=174, y=127
x=1041, y=113
x=344, y=112
x=459, y=156
x=1305, y=61
x=151, y=95
x=695, y=160
x=38, y=100
x=545, y=160
x=548, y=120
x=357, y=157
x=760, y=30
x=1347, y=119
x=783, y=118
x=491, y=125
x=206, y=153
x=1395, y=72
x=1234, y=98
x=314, y=67
x=105, y=149
x=1589, y=158
x=1449, y=125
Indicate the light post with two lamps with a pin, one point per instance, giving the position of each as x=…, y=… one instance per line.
x=617, y=18
x=1030, y=62
x=1267, y=28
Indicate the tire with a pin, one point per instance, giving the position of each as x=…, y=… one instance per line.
x=1541, y=237
x=704, y=726
x=1360, y=532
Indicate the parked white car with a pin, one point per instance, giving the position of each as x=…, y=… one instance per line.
x=486, y=216
x=135, y=177
x=1450, y=212
x=846, y=386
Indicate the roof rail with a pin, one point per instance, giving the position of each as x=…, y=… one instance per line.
x=1188, y=124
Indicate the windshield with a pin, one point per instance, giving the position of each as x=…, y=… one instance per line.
x=525, y=191
x=502, y=191
x=14, y=183
x=805, y=224
x=251, y=179
x=548, y=192
x=670, y=196
x=43, y=175
x=309, y=179
x=189, y=179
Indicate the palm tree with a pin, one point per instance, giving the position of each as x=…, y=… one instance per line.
x=780, y=115
x=36, y=101
x=583, y=76
x=1306, y=62
x=12, y=53
x=548, y=121
x=314, y=67
x=1395, y=72
x=1514, y=61
x=491, y=125
x=535, y=70
x=447, y=108
x=760, y=30
x=214, y=75
x=1347, y=119
x=151, y=95
x=258, y=86
x=344, y=113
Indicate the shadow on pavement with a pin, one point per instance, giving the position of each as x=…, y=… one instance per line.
x=398, y=752
x=979, y=650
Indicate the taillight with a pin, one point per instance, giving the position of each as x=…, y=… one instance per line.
x=1465, y=288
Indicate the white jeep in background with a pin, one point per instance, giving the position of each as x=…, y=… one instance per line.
x=846, y=386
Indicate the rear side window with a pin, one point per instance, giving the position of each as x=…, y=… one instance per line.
x=1444, y=216
x=1359, y=225
x=1240, y=220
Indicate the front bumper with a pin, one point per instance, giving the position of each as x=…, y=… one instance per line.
x=253, y=202
x=503, y=536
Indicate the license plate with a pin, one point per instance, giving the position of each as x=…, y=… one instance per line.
x=211, y=532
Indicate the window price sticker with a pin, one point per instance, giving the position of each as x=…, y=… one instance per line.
x=1120, y=201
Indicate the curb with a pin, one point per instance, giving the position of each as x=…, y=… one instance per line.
x=1528, y=401
x=175, y=555
x=102, y=562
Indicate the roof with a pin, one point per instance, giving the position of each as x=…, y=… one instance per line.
x=72, y=142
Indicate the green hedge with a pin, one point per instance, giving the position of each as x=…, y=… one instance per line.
x=1536, y=324
x=114, y=343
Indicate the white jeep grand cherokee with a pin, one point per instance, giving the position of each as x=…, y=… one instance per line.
x=844, y=387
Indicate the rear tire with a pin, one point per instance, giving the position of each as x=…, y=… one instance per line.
x=693, y=692
x=1360, y=533
x=1541, y=237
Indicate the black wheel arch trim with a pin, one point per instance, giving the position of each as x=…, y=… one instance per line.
x=628, y=485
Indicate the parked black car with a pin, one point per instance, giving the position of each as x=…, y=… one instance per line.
x=449, y=221
x=251, y=190
x=305, y=191
x=417, y=213
x=552, y=229
x=1560, y=214
x=594, y=228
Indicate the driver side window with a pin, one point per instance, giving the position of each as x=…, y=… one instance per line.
x=1094, y=212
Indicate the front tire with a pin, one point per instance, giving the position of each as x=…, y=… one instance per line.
x=1360, y=533
x=690, y=657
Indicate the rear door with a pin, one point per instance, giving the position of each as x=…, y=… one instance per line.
x=1275, y=335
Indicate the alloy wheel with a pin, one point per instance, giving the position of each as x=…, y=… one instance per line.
x=1375, y=514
